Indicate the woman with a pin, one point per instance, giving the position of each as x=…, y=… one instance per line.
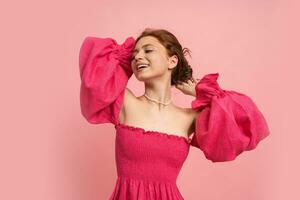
x=153, y=135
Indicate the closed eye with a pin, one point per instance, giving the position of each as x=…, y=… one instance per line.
x=147, y=51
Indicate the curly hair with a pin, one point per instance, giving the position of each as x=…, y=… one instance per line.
x=183, y=71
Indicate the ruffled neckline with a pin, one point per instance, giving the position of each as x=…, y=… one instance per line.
x=157, y=133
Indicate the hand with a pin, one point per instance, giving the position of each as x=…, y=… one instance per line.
x=188, y=87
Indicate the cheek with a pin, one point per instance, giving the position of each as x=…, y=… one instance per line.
x=162, y=62
x=132, y=66
x=160, y=67
x=158, y=59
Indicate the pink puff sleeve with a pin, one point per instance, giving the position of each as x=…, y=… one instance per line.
x=105, y=68
x=229, y=122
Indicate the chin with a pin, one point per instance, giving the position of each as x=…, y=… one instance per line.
x=142, y=78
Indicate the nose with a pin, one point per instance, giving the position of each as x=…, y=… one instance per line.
x=138, y=56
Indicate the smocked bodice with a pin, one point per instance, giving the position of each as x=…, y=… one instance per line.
x=149, y=155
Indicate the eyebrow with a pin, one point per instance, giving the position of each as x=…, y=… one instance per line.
x=135, y=50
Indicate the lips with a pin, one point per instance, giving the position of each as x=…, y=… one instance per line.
x=140, y=66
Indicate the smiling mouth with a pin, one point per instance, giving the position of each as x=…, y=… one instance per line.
x=141, y=67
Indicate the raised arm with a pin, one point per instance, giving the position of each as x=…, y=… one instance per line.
x=105, y=68
x=228, y=123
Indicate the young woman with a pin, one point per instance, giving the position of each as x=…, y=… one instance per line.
x=153, y=135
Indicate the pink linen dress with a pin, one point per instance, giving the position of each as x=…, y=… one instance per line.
x=148, y=162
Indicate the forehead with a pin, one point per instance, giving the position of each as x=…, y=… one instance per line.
x=147, y=41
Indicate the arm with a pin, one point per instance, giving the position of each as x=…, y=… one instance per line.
x=228, y=122
x=105, y=69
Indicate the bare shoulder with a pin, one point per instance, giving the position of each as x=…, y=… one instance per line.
x=129, y=99
x=191, y=112
x=190, y=117
x=188, y=113
x=129, y=95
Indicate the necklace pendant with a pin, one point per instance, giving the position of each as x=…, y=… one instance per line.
x=156, y=101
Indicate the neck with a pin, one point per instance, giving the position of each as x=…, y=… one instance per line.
x=156, y=101
x=158, y=93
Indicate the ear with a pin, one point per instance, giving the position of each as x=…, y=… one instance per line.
x=173, y=61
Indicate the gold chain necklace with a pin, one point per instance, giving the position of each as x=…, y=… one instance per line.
x=157, y=100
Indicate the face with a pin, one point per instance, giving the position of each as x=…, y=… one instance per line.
x=150, y=52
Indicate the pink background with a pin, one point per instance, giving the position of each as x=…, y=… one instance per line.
x=48, y=151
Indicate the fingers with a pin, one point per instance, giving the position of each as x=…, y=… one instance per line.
x=181, y=85
x=178, y=85
x=190, y=82
x=185, y=84
x=193, y=79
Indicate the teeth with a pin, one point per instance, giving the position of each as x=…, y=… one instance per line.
x=142, y=65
